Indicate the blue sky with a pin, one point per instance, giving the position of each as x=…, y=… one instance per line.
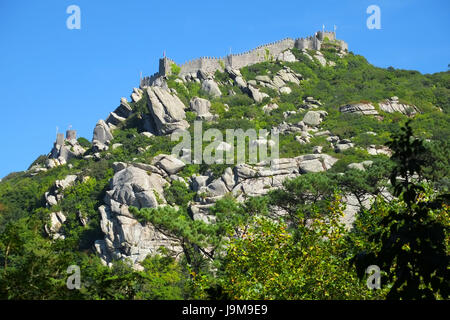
x=51, y=76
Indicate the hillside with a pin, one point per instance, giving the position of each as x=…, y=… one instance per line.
x=142, y=223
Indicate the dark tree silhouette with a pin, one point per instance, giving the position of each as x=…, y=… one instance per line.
x=412, y=240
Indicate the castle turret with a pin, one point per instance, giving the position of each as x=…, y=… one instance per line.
x=71, y=135
x=60, y=139
x=165, y=66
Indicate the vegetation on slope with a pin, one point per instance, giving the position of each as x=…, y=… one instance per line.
x=247, y=254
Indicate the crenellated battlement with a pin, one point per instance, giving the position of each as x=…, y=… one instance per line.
x=259, y=54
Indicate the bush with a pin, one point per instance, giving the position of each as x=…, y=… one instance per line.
x=85, y=143
x=175, y=69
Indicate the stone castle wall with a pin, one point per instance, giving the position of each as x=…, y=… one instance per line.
x=236, y=61
x=260, y=54
x=207, y=64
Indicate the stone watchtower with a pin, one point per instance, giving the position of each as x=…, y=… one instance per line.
x=71, y=135
x=165, y=66
x=60, y=139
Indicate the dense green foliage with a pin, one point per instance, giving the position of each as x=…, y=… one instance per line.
x=412, y=239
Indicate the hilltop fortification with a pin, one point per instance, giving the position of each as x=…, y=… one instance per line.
x=237, y=61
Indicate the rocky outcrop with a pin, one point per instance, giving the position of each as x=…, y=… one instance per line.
x=133, y=186
x=319, y=56
x=168, y=163
x=53, y=197
x=137, y=94
x=359, y=108
x=211, y=88
x=285, y=90
x=257, y=95
x=202, y=108
x=53, y=228
x=120, y=114
x=270, y=107
x=166, y=111
x=378, y=150
x=102, y=137
x=102, y=133
x=343, y=145
x=390, y=105
x=287, y=75
x=393, y=105
x=310, y=103
x=286, y=128
x=124, y=236
x=314, y=118
x=286, y=56
x=280, y=80
x=361, y=165
x=253, y=180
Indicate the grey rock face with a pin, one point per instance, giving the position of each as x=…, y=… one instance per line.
x=377, y=150
x=136, y=95
x=201, y=212
x=114, y=119
x=269, y=107
x=229, y=178
x=224, y=146
x=217, y=188
x=321, y=59
x=199, y=182
x=343, y=146
x=287, y=75
x=166, y=110
x=68, y=181
x=240, y=82
x=201, y=107
x=392, y=105
x=361, y=165
x=137, y=180
x=285, y=127
x=310, y=103
x=359, y=108
x=286, y=56
x=313, y=118
x=128, y=239
x=102, y=133
x=124, y=236
x=285, y=90
x=317, y=149
x=57, y=220
x=263, y=78
x=314, y=165
x=50, y=199
x=119, y=166
x=256, y=94
x=233, y=72
x=168, y=163
x=123, y=110
x=211, y=87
